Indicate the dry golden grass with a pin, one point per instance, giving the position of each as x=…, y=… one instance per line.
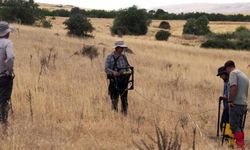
x=70, y=105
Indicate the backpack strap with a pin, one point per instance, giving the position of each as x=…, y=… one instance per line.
x=115, y=64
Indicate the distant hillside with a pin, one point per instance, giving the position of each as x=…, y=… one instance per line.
x=232, y=8
x=55, y=7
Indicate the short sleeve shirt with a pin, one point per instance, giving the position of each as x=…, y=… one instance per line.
x=239, y=79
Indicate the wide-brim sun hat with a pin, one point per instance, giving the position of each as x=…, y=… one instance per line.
x=5, y=28
x=120, y=43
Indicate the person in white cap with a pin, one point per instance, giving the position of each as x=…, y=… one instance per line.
x=115, y=64
x=6, y=71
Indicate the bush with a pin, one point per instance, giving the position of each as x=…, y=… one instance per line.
x=79, y=25
x=218, y=43
x=25, y=12
x=242, y=33
x=131, y=21
x=242, y=29
x=243, y=44
x=227, y=44
x=197, y=27
x=239, y=39
x=164, y=25
x=225, y=36
x=90, y=51
x=162, y=35
x=46, y=23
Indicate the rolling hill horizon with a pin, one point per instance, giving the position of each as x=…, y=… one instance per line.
x=228, y=8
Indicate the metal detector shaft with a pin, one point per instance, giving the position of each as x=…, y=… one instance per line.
x=244, y=120
x=218, y=121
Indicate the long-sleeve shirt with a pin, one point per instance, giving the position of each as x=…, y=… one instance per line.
x=6, y=56
x=121, y=62
x=225, y=94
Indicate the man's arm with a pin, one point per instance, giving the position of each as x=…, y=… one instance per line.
x=108, y=69
x=232, y=93
x=10, y=58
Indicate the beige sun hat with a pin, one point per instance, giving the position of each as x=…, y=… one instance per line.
x=5, y=28
x=120, y=43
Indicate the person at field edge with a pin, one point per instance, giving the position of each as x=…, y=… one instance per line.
x=6, y=71
x=224, y=76
x=115, y=64
x=237, y=101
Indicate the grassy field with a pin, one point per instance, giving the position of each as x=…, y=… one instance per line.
x=66, y=105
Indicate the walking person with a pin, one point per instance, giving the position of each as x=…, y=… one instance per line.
x=237, y=100
x=6, y=72
x=117, y=63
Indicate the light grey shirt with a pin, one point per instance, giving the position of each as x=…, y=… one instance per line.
x=6, y=56
x=239, y=79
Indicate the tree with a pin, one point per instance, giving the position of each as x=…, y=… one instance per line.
x=77, y=10
x=197, y=27
x=27, y=12
x=202, y=27
x=131, y=21
x=79, y=25
x=189, y=27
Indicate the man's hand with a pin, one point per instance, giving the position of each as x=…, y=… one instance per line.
x=222, y=98
x=230, y=104
x=116, y=74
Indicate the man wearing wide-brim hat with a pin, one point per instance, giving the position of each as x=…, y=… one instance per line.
x=115, y=64
x=6, y=71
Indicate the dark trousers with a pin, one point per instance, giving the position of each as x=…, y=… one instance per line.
x=6, y=84
x=237, y=113
x=116, y=90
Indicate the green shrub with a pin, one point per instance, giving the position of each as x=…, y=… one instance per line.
x=242, y=33
x=190, y=26
x=131, y=21
x=46, y=23
x=90, y=51
x=25, y=12
x=239, y=40
x=79, y=25
x=219, y=43
x=197, y=27
x=162, y=35
x=164, y=25
x=225, y=36
x=242, y=29
x=243, y=44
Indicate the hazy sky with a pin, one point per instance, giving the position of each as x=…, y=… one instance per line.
x=117, y=4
